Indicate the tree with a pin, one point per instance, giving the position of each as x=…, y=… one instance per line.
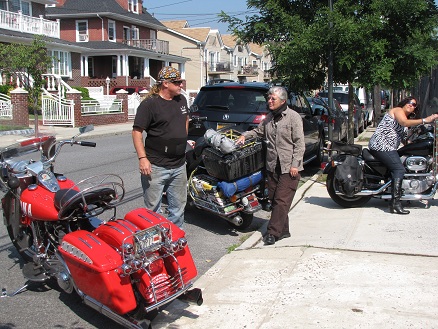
x=374, y=42
x=27, y=63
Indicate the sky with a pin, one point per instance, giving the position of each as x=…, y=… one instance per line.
x=199, y=13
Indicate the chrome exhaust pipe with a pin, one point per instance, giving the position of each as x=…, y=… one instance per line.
x=134, y=324
x=193, y=296
x=236, y=220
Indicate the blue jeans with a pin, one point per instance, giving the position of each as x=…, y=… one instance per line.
x=174, y=183
x=392, y=161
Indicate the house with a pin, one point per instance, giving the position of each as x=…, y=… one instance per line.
x=119, y=39
x=214, y=56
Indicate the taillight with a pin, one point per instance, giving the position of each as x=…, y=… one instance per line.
x=259, y=118
x=324, y=118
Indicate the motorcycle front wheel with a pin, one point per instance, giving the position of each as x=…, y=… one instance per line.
x=343, y=200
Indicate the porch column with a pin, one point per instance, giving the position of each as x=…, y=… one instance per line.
x=84, y=66
x=119, y=65
x=146, y=66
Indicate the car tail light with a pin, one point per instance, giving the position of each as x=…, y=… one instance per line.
x=325, y=118
x=259, y=118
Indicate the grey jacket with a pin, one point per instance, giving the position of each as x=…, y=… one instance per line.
x=285, y=140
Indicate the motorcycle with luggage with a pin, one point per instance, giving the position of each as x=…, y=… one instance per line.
x=126, y=268
x=225, y=179
x=354, y=175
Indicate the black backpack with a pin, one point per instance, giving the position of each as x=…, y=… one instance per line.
x=350, y=176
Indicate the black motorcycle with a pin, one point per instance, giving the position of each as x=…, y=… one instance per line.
x=354, y=176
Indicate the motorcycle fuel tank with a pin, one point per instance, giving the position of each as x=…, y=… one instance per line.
x=38, y=203
x=422, y=147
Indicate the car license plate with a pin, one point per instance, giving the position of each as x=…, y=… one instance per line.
x=147, y=239
x=221, y=125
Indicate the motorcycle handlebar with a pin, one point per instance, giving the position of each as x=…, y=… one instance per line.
x=89, y=144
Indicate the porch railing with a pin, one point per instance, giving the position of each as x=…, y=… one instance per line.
x=157, y=46
x=220, y=67
x=23, y=23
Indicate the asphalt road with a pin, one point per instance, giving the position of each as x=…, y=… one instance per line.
x=46, y=306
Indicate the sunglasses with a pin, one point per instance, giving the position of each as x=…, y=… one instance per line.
x=413, y=104
x=177, y=82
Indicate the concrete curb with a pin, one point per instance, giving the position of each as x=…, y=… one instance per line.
x=255, y=238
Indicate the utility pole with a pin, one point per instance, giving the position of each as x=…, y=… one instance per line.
x=330, y=77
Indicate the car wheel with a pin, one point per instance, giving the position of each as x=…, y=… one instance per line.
x=356, y=130
x=320, y=152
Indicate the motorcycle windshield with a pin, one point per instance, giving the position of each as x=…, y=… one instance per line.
x=27, y=146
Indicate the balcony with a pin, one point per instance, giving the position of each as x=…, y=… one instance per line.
x=157, y=46
x=219, y=67
x=248, y=70
x=28, y=24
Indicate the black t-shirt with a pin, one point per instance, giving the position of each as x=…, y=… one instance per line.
x=165, y=124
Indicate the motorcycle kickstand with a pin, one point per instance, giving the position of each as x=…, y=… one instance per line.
x=20, y=290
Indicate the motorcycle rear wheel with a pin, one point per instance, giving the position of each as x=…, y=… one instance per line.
x=343, y=200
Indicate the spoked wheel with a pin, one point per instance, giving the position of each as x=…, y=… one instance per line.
x=246, y=221
x=332, y=185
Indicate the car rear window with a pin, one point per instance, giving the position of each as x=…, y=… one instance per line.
x=340, y=97
x=232, y=99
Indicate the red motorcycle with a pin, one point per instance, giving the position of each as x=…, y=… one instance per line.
x=126, y=268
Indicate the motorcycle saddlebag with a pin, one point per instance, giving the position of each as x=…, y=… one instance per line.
x=350, y=176
x=95, y=269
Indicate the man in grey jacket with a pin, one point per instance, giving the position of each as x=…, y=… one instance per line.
x=283, y=131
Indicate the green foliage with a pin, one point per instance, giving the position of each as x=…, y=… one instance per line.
x=85, y=93
x=5, y=89
x=387, y=42
x=27, y=63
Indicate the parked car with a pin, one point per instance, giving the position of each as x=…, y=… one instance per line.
x=337, y=117
x=358, y=113
x=243, y=106
x=129, y=89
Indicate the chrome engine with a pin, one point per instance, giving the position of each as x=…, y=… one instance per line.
x=419, y=175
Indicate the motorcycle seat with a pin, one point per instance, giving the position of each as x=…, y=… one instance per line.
x=68, y=200
x=367, y=156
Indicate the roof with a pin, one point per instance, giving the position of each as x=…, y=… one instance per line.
x=106, y=8
x=181, y=27
x=229, y=40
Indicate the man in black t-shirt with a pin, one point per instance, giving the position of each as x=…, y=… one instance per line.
x=163, y=115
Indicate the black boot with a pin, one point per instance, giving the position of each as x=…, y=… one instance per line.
x=395, y=205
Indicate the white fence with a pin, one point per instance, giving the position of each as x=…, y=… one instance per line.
x=5, y=107
x=57, y=111
x=107, y=104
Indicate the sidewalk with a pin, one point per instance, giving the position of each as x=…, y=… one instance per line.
x=341, y=268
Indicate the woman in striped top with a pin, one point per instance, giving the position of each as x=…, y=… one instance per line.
x=387, y=138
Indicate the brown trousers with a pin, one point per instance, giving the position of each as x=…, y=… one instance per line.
x=281, y=188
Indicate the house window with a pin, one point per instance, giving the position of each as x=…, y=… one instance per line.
x=133, y=6
x=134, y=33
x=126, y=33
x=16, y=6
x=111, y=31
x=81, y=31
x=61, y=62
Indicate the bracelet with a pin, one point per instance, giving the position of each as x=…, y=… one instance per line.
x=142, y=158
x=424, y=121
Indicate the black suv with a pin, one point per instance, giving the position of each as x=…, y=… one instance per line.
x=243, y=106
